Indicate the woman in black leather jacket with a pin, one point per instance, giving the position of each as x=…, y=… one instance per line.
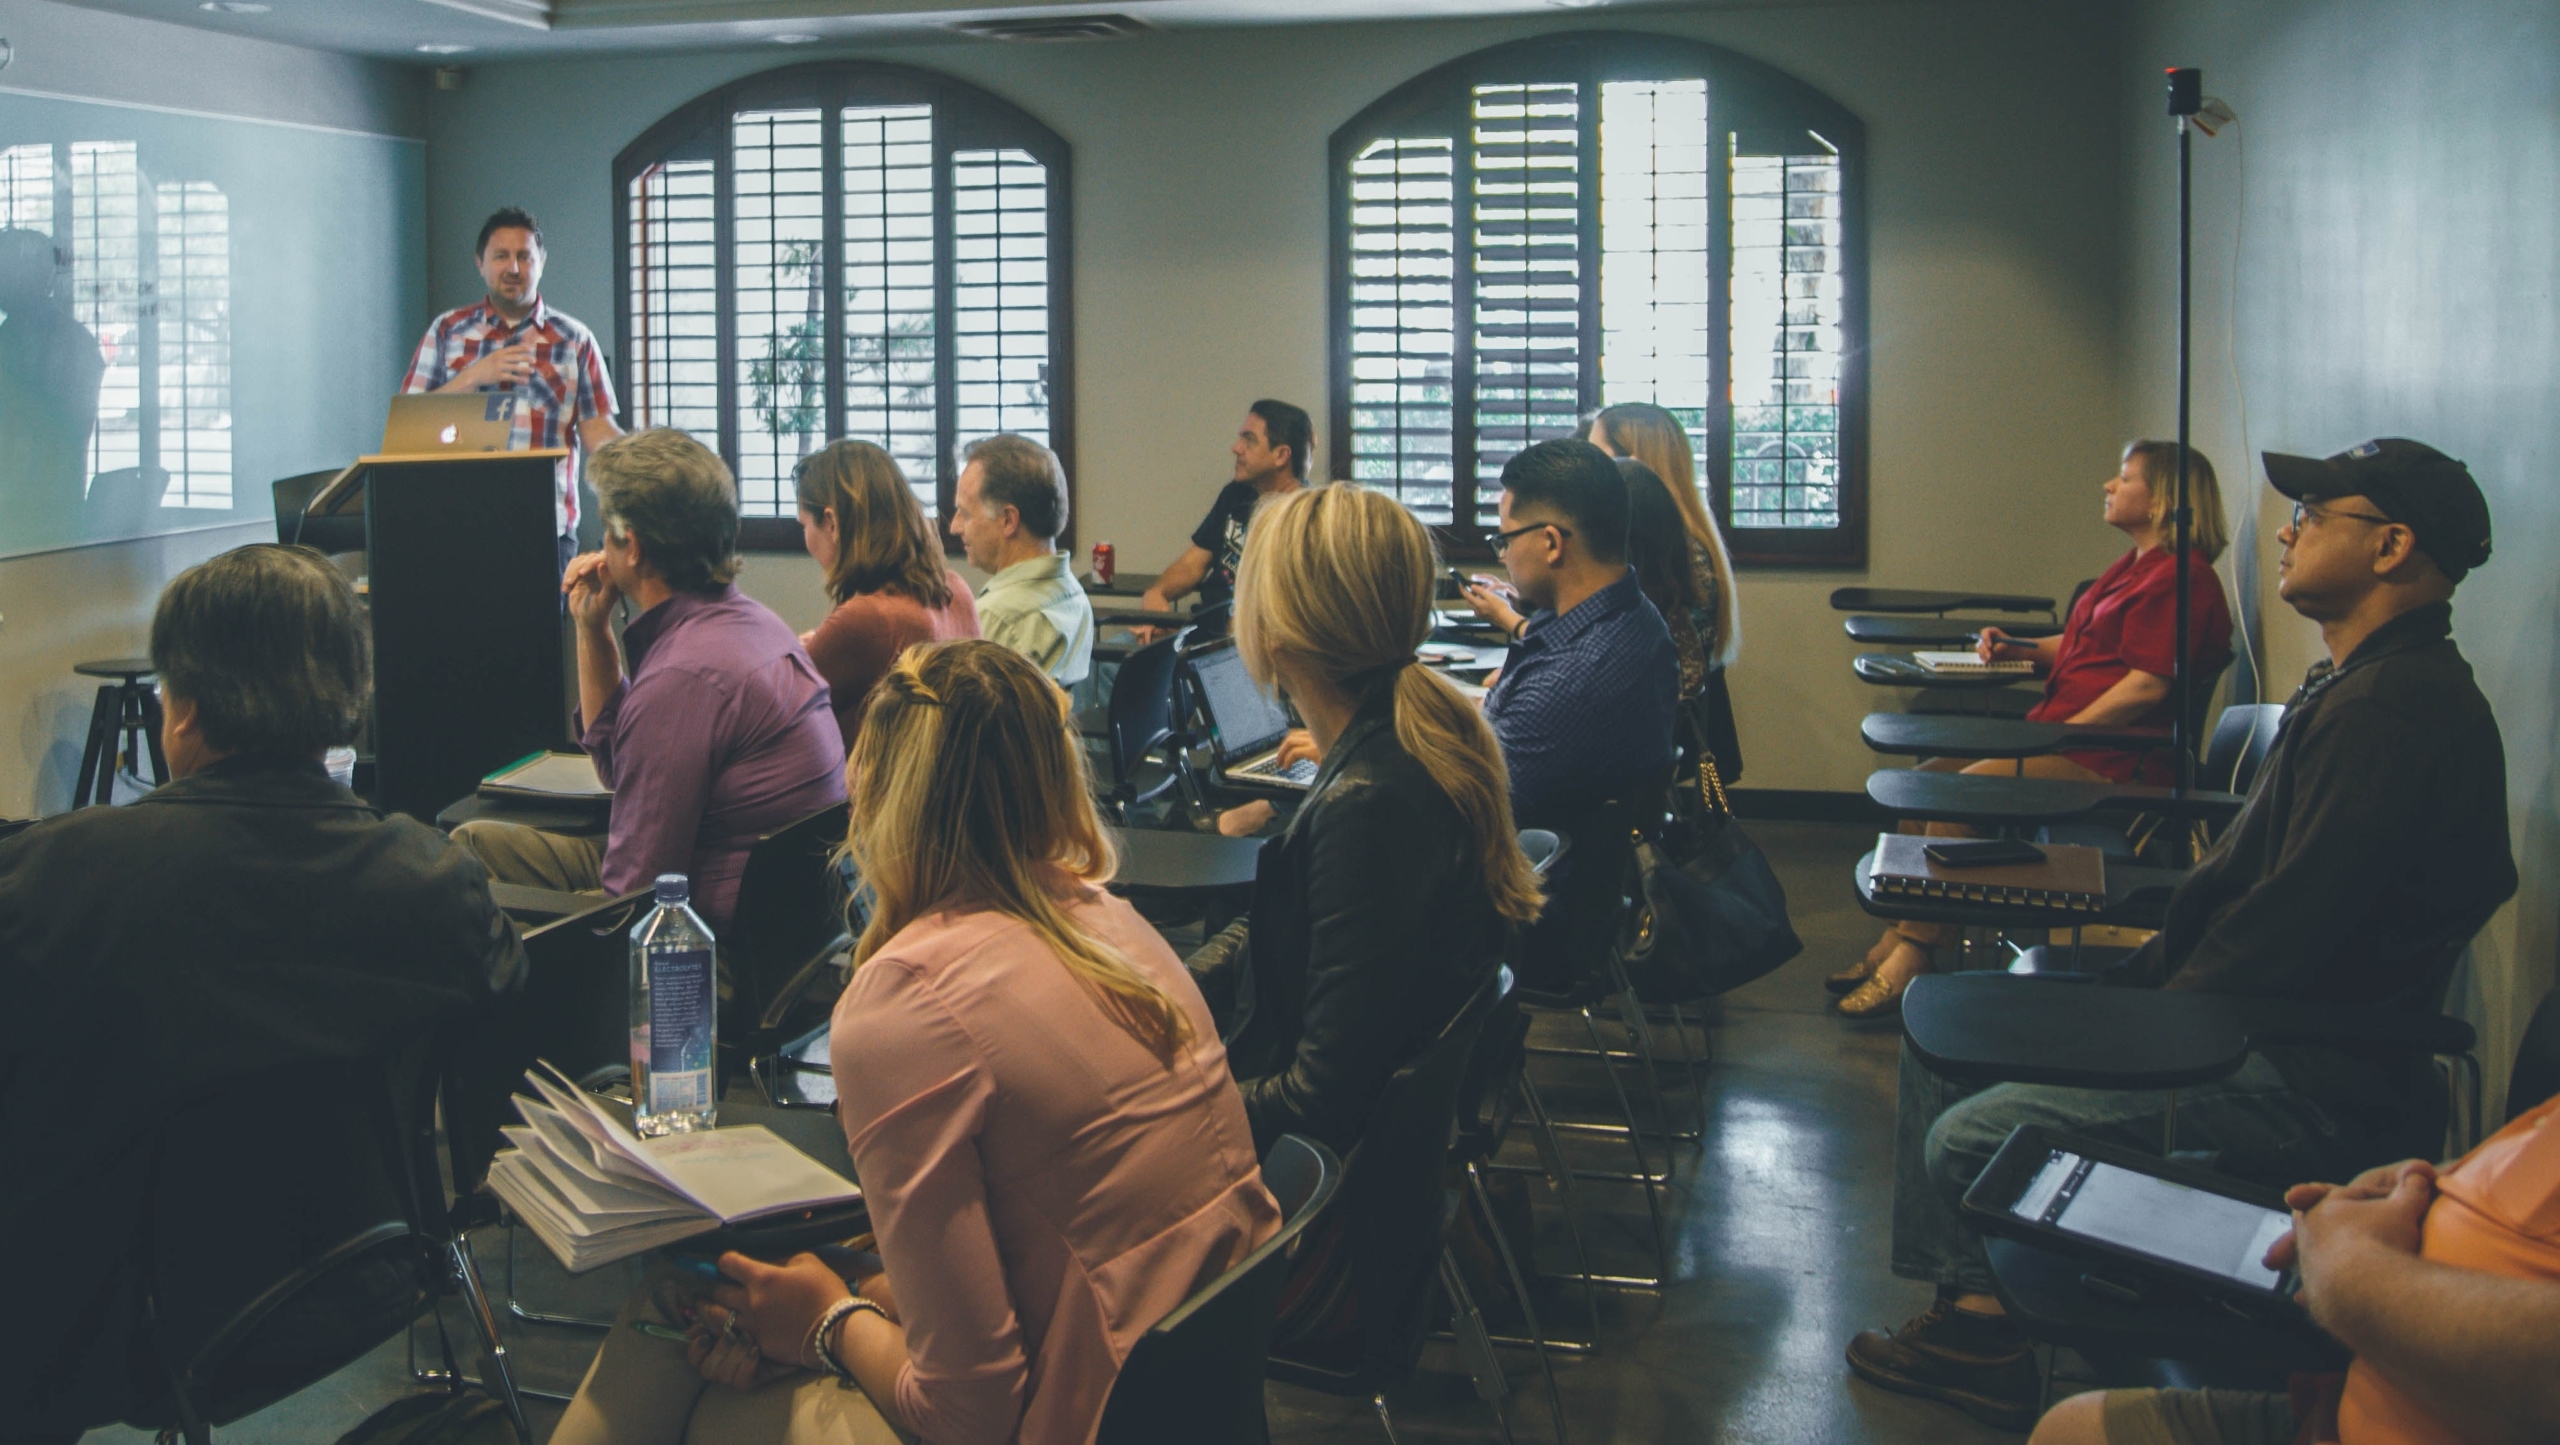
x=1387, y=901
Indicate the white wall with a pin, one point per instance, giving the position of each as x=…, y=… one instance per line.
x=62, y=607
x=1199, y=179
x=2378, y=254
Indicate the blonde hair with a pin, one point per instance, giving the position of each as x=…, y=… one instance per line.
x=1653, y=436
x=883, y=542
x=2207, y=531
x=968, y=790
x=1339, y=580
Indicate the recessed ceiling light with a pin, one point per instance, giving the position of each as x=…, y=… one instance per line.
x=795, y=38
x=445, y=49
x=235, y=7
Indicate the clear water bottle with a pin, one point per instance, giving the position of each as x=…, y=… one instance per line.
x=674, y=1016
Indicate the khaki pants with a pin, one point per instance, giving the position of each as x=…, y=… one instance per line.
x=514, y=853
x=2043, y=765
x=641, y=1391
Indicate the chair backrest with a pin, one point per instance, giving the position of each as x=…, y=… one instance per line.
x=1141, y=711
x=331, y=535
x=1567, y=948
x=1197, y=1375
x=2537, y=1072
x=1395, y=1203
x=789, y=919
x=1490, y=1090
x=2242, y=738
x=291, y=1228
x=1542, y=847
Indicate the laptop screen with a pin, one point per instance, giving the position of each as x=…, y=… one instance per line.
x=1246, y=718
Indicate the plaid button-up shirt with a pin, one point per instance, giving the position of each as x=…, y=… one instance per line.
x=567, y=386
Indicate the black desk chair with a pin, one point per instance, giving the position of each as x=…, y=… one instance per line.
x=1134, y=724
x=1385, y=1243
x=335, y=535
x=1196, y=1375
x=298, y=1221
x=785, y=935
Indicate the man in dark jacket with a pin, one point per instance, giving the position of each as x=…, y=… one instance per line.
x=2373, y=846
x=249, y=915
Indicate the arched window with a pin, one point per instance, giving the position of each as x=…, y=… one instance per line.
x=1561, y=223
x=845, y=250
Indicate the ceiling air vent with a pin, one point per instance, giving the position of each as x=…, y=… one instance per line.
x=1057, y=28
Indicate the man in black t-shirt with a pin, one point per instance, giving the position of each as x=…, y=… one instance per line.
x=1271, y=458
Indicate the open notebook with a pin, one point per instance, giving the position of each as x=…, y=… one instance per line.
x=593, y=1191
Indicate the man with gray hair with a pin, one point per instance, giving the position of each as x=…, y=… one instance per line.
x=1007, y=510
x=722, y=731
x=247, y=916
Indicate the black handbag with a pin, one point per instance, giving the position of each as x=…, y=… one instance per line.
x=1713, y=916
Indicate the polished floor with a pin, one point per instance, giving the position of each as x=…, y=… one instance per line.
x=1777, y=1226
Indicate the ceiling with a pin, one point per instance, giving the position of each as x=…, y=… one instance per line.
x=517, y=29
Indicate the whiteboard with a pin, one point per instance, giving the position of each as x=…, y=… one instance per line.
x=191, y=307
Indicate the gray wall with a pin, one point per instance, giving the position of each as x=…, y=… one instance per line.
x=61, y=607
x=1200, y=254
x=2378, y=254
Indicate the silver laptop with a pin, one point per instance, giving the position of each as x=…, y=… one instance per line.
x=425, y=423
x=1246, y=724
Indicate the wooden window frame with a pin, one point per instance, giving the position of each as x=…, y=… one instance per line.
x=1743, y=95
x=964, y=118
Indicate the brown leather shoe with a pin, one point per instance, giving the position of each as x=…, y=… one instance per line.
x=1977, y=1363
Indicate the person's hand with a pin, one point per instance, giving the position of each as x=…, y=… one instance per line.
x=2374, y=1183
x=505, y=366
x=1299, y=746
x=722, y=1350
x=591, y=590
x=1489, y=598
x=2351, y=1221
x=875, y=1288
x=1246, y=819
x=777, y=1304
x=1986, y=644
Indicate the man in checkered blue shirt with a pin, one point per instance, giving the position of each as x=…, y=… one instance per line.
x=511, y=341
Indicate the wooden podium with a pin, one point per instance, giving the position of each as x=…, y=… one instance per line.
x=465, y=592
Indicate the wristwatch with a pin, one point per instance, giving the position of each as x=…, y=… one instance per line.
x=822, y=1337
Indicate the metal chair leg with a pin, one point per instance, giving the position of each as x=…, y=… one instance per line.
x=1475, y=1343
x=1644, y=1169
x=1545, y=1137
x=1519, y=1286
x=466, y=1270
x=1696, y=1064
x=1386, y=1421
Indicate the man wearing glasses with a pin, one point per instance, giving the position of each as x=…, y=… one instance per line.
x=2372, y=847
x=1584, y=705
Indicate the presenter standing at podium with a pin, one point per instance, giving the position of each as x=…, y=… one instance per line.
x=511, y=341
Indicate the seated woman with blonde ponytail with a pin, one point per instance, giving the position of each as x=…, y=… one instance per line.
x=1386, y=903
x=1034, y=1097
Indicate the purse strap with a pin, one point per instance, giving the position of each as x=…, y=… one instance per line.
x=1711, y=786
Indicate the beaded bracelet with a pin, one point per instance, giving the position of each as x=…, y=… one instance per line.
x=822, y=1336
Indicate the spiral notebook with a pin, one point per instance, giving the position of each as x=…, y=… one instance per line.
x=2072, y=878
x=1966, y=664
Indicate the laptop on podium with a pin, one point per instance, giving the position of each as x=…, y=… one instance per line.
x=428, y=423
x=1246, y=724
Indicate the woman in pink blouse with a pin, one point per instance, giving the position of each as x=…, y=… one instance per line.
x=885, y=571
x=1034, y=1096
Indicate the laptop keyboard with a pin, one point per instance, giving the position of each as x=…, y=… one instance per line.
x=1302, y=772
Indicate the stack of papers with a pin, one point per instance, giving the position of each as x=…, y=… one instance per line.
x=593, y=1191
x=547, y=776
x=1971, y=664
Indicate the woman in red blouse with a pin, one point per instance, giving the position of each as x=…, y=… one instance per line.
x=2113, y=664
x=885, y=572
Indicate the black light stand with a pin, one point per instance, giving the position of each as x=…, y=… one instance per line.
x=2186, y=97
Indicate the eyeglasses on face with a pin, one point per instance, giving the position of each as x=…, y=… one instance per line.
x=1502, y=541
x=2304, y=514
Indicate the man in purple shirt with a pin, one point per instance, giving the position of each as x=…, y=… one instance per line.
x=723, y=729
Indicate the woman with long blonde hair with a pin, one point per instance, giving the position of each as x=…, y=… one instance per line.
x=860, y=520
x=1034, y=1097
x=1386, y=902
x=1653, y=436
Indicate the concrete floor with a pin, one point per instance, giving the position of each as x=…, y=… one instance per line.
x=1778, y=1233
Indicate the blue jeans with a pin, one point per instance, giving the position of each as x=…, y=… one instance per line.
x=1945, y=1133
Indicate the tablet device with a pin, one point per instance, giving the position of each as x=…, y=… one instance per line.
x=1983, y=852
x=2158, y=1220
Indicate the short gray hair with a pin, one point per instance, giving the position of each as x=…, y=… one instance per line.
x=1020, y=473
x=677, y=498
x=268, y=643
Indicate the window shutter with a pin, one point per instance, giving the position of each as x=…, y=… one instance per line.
x=1403, y=253
x=1000, y=292
x=1657, y=341
x=672, y=369
x=890, y=393
x=1525, y=246
x=1787, y=334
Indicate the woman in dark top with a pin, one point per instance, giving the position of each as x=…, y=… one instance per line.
x=1387, y=901
x=1671, y=573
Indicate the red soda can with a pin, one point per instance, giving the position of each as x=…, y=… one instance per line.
x=1103, y=565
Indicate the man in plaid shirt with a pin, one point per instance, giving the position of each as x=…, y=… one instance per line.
x=511, y=341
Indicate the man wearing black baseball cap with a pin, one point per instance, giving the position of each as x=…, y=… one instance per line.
x=2372, y=847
